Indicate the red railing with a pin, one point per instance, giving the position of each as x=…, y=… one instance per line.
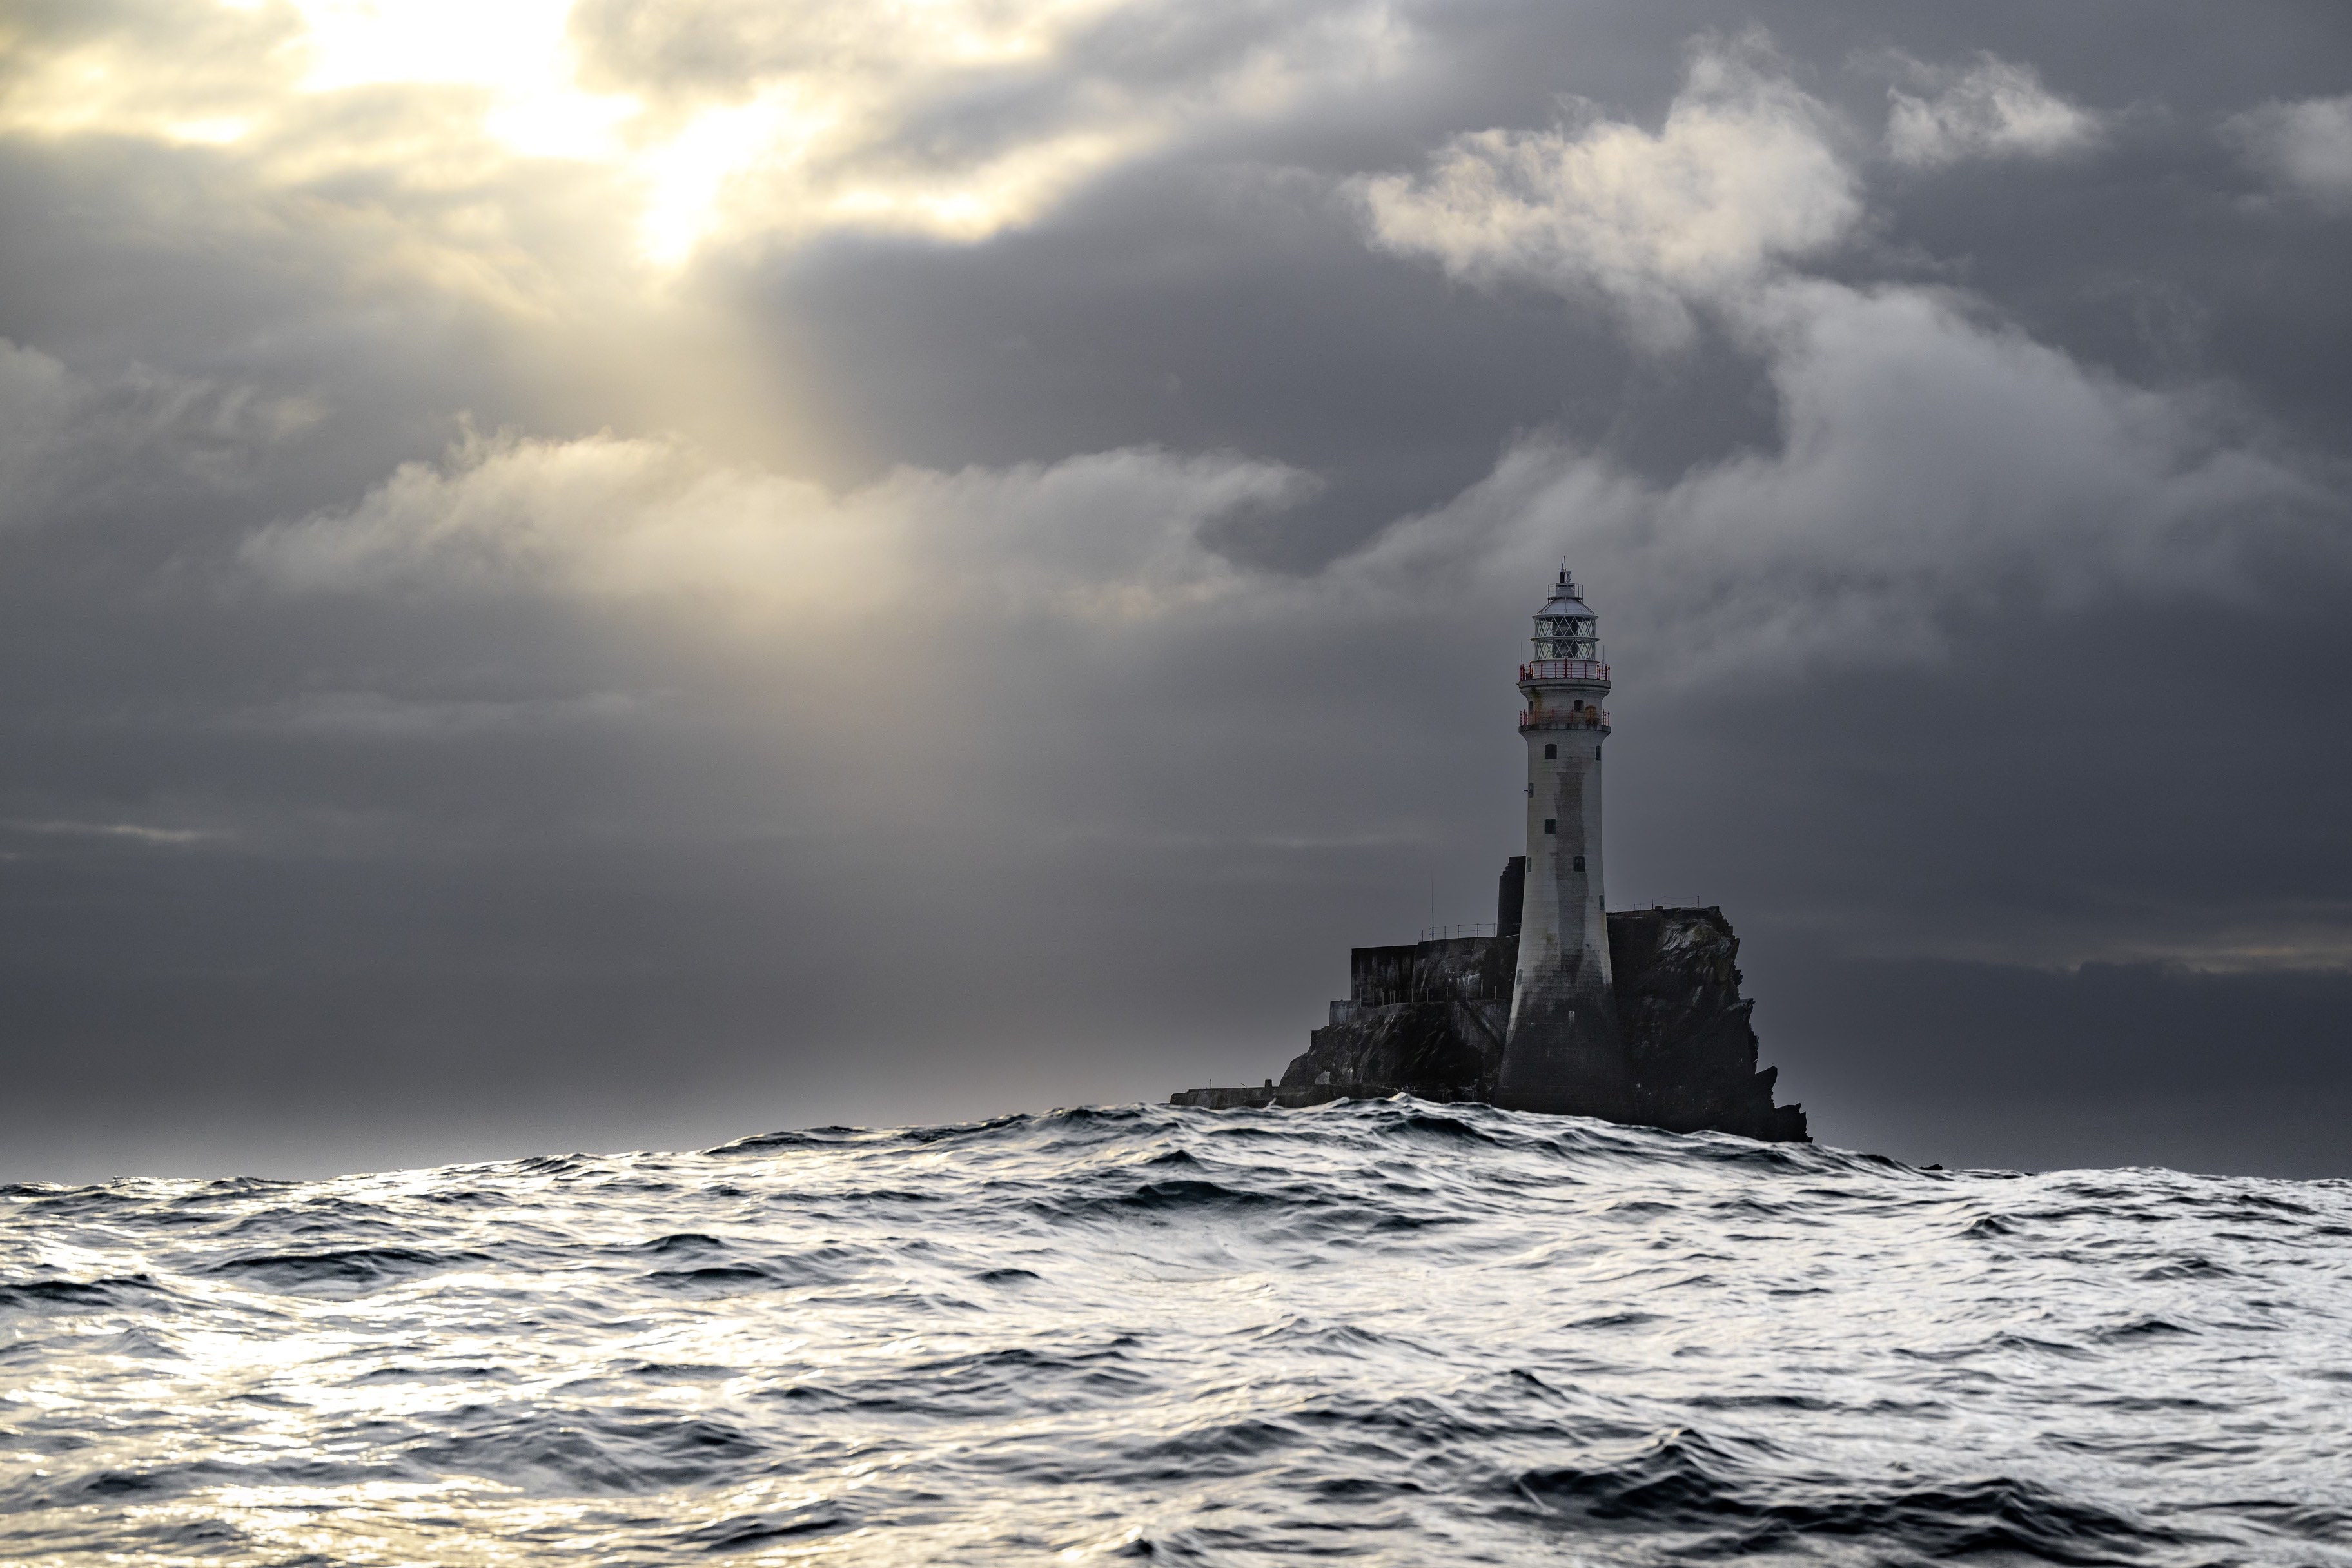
x=1563, y=669
x=1563, y=718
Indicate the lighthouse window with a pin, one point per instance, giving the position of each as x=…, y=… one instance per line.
x=1579, y=862
x=1551, y=752
x=1551, y=825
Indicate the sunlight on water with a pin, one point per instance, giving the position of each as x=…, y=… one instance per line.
x=1397, y=1331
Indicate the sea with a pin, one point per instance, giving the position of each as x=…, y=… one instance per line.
x=1381, y=1331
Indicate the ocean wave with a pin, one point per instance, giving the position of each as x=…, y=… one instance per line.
x=1388, y=1329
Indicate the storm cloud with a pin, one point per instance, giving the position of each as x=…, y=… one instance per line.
x=619, y=574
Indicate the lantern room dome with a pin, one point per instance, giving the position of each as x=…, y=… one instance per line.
x=1566, y=600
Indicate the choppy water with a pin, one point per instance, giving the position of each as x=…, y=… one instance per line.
x=1393, y=1330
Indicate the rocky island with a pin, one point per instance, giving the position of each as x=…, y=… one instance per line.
x=1633, y=1015
x=1430, y=1019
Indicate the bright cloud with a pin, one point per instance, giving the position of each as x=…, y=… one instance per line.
x=605, y=519
x=1996, y=109
x=1741, y=176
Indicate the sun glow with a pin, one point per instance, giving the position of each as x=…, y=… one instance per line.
x=685, y=177
x=515, y=46
x=954, y=119
x=519, y=50
x=785, y=157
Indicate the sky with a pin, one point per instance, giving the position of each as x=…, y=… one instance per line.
x=621, y=573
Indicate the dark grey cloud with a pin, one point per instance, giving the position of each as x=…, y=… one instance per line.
x=875, y=671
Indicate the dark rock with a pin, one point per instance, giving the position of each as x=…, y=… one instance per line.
x=1427, y=1019
x=1689, y=1042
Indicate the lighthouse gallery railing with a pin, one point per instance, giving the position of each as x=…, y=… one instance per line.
x=1563, y=718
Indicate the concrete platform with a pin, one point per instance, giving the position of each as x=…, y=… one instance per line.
x=1253, y=1098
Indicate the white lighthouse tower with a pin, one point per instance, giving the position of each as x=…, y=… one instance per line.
x=1562, y=1052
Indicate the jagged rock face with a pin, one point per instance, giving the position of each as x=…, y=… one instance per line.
x=1429, y=1019
x=1426, y=1018
x=1690, y=1045
x=1427, y=1048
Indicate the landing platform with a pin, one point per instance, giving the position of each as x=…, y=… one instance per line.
x=1257, y=1098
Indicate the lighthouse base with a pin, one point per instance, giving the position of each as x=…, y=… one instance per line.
x=1564, y=1055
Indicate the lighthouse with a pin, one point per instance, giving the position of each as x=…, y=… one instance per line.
x=1562, y=1052
x=1528, y=1018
